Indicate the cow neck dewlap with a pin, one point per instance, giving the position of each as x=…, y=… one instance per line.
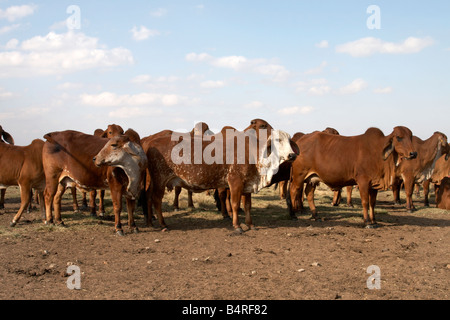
x=133, y=166
x=427, y=172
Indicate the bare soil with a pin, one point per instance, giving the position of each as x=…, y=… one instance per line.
x=199, y=260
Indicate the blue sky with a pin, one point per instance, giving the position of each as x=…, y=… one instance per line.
x=155, y=65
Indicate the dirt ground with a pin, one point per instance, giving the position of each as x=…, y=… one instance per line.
x=198, y=260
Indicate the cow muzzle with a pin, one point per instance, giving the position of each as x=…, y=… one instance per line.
x=292, y=156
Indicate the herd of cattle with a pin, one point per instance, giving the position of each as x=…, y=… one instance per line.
x=143, y=168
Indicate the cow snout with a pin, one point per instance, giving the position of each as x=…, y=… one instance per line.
x=412, y=155
x=292, y=156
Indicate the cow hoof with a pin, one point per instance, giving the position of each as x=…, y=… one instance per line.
x=13, y=224
x=120, y=233
x=237, y=232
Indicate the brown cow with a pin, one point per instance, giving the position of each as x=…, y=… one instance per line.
x=443, y=194
x=231, y=160
x=7, y=138
x=368, y=160
x=120, y=165
x=441, y=170
x=22, y=166
x=111, y=131
x=200, y=128
x=421, y=168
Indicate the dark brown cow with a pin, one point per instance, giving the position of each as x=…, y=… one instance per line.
x=419, y=169
x=368, y=160
x=120, y=165
x=111, y=131
x=241, y=168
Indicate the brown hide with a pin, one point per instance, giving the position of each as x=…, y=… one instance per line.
x=419, y=169
x=367, y=160
x=443, y=194
x=68, y=160
x=22, y=166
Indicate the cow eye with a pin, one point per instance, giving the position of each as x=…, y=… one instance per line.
x=399, y=139
x=114, y=145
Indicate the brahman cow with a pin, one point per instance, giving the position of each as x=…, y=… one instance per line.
x=244, y=162
x=441, y=171
x=420, y=169
x=22, y=166
x=120, y=164
x=111, y=131
x=443, y=194
x=368, y=160
x=5, y=137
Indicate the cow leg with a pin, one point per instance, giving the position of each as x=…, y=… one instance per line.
x=337, y=197
x=84, y=203
x=190, y=201
x=235, y=199
x=349, y=196
x=396, y=192
x=92, y=204
x=76, y=209
x=295, y=196
x=224, y=203
x=51, y=186
x=426, y=192
x=2, y=198
x=309, y=191
x=25, y=199
x=175, y=199
x=247, y=207
x=154, y=199
x=372, y=201
x=57, y=204
x=101, y=204
x=131, y=206
x=409, y=188
x=364, y=194
x=116, y=197
x=41, y=201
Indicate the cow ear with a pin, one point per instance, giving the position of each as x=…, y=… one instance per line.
x=294, y=147
x=104, y=134
x=131, y=149
x=7, y=137
x=447, y=156
x=388, y=150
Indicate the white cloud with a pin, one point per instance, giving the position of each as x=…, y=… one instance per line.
x=110, y=99
x=322, y=44
x=17, y=12
x=143, y=78
x=158, y=12
x=211, y=84
x=315, y=86
x=5, y=94
x=69, y=86
x=56, y=54
x=368, y=46
x=354, y=87
x=296, y=110
x=277, y=72
x=7, y=29
x=383, y=90
x=12, y=44
x=143, y=33
x=317, y=70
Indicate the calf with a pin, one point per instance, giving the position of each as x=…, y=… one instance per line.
x=368, y=160
x=119, y=165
